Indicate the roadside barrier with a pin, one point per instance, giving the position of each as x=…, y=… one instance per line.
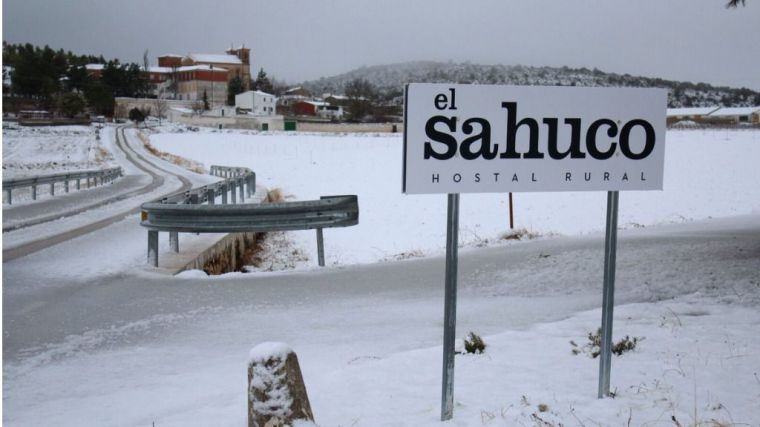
x=186, y=212
x=91, y=177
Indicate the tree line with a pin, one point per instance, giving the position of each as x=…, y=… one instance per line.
x=57, y=80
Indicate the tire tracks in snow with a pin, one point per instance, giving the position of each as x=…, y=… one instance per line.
x=139, y=161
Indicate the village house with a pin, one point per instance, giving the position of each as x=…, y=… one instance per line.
x=256, y=102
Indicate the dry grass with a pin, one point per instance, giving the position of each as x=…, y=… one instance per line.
x=275, y=195
x=188, y=164
x=519, y=234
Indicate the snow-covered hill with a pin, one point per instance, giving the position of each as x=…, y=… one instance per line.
x=390, y=80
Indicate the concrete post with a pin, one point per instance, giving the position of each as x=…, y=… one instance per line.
x=211, y=195
x=8, y=196
x=232, y=192
x=242, y=191
x=52, y=188
x=34, y=192
x=224, y=194
x=79, y=184
x=66, y=185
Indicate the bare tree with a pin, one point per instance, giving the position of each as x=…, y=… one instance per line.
x=161, y=106
x=734, y=3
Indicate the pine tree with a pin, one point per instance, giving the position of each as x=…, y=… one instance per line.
x=234, y=87
x=262, y=82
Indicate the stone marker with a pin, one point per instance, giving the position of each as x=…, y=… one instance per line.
x=276, y=391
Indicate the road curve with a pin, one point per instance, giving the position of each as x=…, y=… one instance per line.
x=138, y=161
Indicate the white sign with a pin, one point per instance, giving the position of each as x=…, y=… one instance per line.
x=497, y=139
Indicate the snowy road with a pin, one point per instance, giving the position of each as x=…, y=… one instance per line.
x=78, y=213
x=110, y=326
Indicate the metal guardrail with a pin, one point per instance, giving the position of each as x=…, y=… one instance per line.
x=92, y=177
x=184, y=213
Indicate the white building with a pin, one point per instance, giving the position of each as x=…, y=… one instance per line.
x=257, y=103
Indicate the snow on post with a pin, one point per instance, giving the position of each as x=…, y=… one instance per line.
x=276, y=391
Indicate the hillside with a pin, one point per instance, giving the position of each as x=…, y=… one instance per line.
x=389, y=81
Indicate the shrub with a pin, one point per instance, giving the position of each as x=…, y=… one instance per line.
x=474, y=343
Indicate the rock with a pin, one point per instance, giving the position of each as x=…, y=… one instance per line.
x=276, y=390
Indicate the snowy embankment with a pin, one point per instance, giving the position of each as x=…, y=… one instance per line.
x=29, y=151
x=708, y=174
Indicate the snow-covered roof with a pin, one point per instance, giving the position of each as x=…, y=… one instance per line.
x=95, y=67
x=695, y=111
x=256, y=92
x=215, y=58
x=202, y=67
x=158, y=69
x=171, y=55
x=338, y=97
x=739, y=111
x=295, y=89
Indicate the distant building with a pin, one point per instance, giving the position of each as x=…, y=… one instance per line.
x=317, y=108
x=256, y=102
x=738, y=115
x=195, y=80
x=696, y=114
x=94, y=70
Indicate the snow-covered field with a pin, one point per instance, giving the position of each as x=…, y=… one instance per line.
x=29, y=151
x=708, y=174
x=100, y=342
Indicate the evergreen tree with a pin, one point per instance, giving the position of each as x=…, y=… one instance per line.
x=262, y=82
x=234, y=87
x=71, y=104
x=205, y=100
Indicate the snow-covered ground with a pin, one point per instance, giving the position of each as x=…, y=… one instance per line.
x=707, y=174
x=103, y=340
x=29, y=151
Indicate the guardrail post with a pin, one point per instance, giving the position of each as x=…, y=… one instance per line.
x=52, y=188
x=320, y=248
x=224, y=194
x=210, y=196
x=66, y=185
x=8, y=196
x=174, y=241
x=153, y=248
x=232, y=192
x=79, y=183
x=242, y=190
x=34, y=192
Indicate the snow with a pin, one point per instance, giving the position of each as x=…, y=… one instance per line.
x=693, y=111
x=215, y=58
x=269, y=350
x=737, y=111
x=93, y=336
x=703, y=179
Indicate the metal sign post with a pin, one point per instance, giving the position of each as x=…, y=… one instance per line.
x=450, y=307
x=608, y=298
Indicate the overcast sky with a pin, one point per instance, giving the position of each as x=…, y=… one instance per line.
x=294, y=40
